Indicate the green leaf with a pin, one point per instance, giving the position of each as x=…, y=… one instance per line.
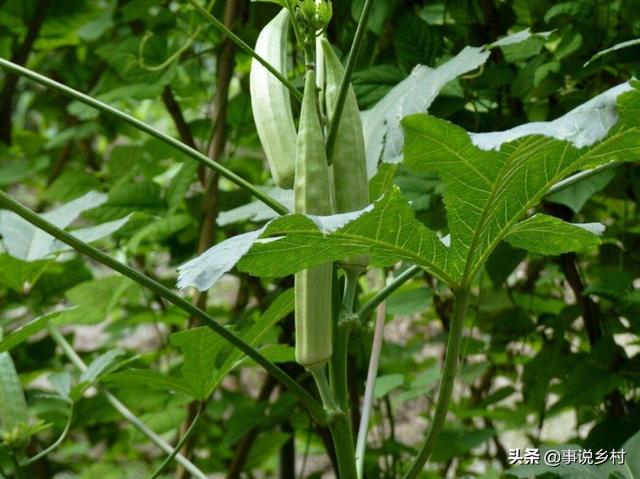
x=71, y=184
x=617, y=46
x=24, y=241
x=547, y=235
x=148, y=378
x=98, y=367
x=17, y=274
x=409, y=302
x=374, y=83
x=180, y=183
x=576, y=195
x=159, y=230
x=381, y=124
x=202, y=348
x=27, y=330
x=96, y=299
x=199, y=347
x=388, y=232
x=491, y=180
x=61, y=382
x=415, y=41
x=281, y=307
x=142, y=197
x=13, y=409
x=387, y=383
x=256, y=211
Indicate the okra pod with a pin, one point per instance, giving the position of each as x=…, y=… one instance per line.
x=313, y=312
x=270, y=101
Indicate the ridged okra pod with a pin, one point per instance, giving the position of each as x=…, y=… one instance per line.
x=270, y=101
x=351, y=185
x=312, y=196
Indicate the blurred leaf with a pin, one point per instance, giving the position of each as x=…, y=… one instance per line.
x=387, y=383
x=27, y=330
x=547, y=235
x=14, y=406
x=409, y=302
x=576, y=195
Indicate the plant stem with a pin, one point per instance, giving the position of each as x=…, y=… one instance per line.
x=367, y=402
x=342, y=331
x=385, y=292
x=346, y=80
x=122, y=409
x=315, y=409
x=449, y=372
x=142, y=126
x=340, y=420
x=238, y=41
x=54, y=445
x=17, y=469
x=180, y=443
x=319, y=374
x=340, y=428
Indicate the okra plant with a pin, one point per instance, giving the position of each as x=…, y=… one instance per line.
x=356, y=172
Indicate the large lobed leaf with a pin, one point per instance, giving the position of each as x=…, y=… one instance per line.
x=492, y=180
x=387, y=231
x=382, y=129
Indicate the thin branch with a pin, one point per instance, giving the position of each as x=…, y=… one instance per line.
x=142, y=126
x=173, y=107
x=20, y=57
x=314, y=408
x=54, y=445
x=372, y=373
x=122, y=409
x=180, y=443
x=383, y=294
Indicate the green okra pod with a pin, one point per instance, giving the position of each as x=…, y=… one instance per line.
x=313, y=311
x=351, y=185
x=270, y=101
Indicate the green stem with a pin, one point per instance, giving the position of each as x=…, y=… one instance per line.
x=342, y=437
x=320, y=376
x=55, y=444
x=340, y=424
x=142, y=126
x=180, y=443
x=122, y=409
x=315, y=409
x=384, y=293
x=238, y=41
x=449, y=372
x=346, y=80
x=17, y=470
x=342, y=332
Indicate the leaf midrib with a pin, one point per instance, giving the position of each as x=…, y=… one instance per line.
x=437, y=271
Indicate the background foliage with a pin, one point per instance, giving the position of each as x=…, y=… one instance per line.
x=552, y=355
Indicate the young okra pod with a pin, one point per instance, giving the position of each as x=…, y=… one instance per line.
x=270, y=101
x=351, y=185
x=313, y=312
